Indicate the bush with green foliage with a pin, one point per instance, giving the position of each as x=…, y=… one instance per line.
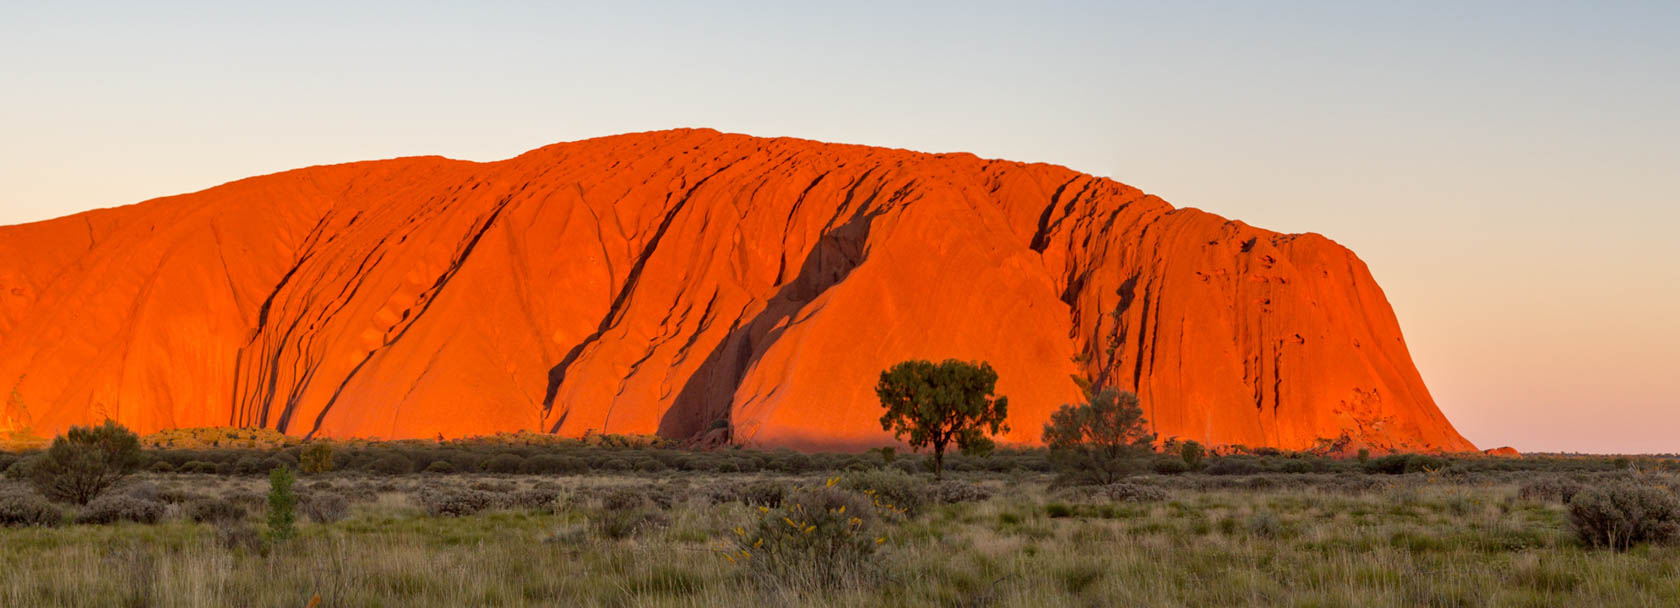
x=455, y=502
x=822, y=537
x=1193, y=454
x=1100, y=441
x=889, y=489
x=1397, y=464
x=952, y=492
x=325, y=508
x=240, y=535
x=555, y=464
x=939, y=405
x=1624, y=514
x=113, y=508
x=282, y=505
x=506, y=464
x=1234, y=465
x=1550, y=489
x=392, y=463
x=763, y=493
x=22, y=508
x=1170, y=466
x=316, y=458
x=214, y=510
x=85, y=461
x=1133, y=492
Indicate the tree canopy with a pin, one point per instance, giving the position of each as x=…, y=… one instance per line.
x=937, y=405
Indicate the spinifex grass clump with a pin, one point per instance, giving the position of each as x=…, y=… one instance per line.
x=822, y=537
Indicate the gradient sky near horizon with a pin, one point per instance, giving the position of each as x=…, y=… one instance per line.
x=1507, y=169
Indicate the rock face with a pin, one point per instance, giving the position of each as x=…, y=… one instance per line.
x=682, y=282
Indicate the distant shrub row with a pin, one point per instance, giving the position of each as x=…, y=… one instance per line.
x=405, y=457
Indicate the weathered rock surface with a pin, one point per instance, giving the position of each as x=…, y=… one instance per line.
x=679, y=281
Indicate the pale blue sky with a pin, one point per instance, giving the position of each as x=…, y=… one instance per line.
x=1506, y=168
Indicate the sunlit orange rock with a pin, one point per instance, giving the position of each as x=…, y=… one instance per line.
x=1503, y=452
x=695, y=285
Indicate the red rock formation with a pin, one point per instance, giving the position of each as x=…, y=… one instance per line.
x=673, y=282
x=1503, y=452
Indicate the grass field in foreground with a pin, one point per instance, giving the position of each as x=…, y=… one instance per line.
x=1312, y=540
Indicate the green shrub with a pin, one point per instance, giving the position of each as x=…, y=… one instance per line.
x=239, y=535
x=282, y=505
x=316, y=458
x=889, y=489
x=535, y=498
x=619, y=524
x=1551, y=489
x=1265, y=524
x=19, y=469
x=85, y=461
x=113, y=508
x=19, y=508
x=763, y=493
x=624, y=499
x=441, y=467
x=1192, y=454
x=554, y=464
x=1100, y=441
x=822, y=538
x=452, y=502
x=951, y=492
x=505, y=464
x=1395, y=464
x=1392, y=464
x=198, y=467
x=650, y=465
x=1420, y=463
x=1170, y=466
x=252, y=465
x=1234, y=465
x=161, y=466
x=1624, y=514
x=392, y=463
x=1133, y=492
x=214, y=510
x=325, y=508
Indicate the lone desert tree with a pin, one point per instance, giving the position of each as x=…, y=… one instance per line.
x=940, y=404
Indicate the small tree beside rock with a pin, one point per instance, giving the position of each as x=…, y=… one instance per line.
x=1100, y=441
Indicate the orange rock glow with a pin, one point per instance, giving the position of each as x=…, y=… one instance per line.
x=676, y=282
